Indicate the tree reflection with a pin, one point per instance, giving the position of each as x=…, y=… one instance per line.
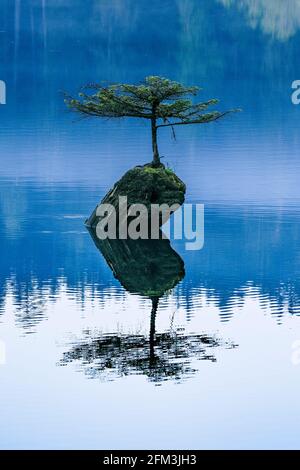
x=149, y=268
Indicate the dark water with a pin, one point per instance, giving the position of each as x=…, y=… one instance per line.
x=88, y=363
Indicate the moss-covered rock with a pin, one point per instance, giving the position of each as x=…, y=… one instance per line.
x=144, y=185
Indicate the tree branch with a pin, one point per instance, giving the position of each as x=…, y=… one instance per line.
x=197, y=121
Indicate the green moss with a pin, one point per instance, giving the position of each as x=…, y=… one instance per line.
x=145, y=185
x=151, y=170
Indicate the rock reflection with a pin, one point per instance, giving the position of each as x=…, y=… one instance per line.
x=145, y=267
x=149, y=268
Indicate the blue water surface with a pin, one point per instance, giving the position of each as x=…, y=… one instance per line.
x=230, y=330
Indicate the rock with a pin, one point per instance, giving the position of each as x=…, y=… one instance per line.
x=144, y=185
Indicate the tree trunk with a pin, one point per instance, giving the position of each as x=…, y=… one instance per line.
x=155, y=301
x=156, y=159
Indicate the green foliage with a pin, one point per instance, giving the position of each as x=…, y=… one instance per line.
x=164, y=102
x=169, y=171
x=155, y=98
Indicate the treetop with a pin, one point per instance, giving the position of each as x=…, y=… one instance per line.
x=154, y=98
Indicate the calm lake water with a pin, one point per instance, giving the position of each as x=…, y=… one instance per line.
x=83, y=362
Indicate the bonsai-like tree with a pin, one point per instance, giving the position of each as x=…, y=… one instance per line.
x=163, y=102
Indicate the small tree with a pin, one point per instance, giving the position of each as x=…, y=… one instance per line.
x=162, y=101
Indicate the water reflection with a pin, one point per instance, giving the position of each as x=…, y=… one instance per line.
x=249, y=253
x=54, y=284
x=145, y=267
x=148, y=268
x=160, y=357
x=277, y=18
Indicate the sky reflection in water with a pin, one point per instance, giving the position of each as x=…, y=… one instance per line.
x=225, y=331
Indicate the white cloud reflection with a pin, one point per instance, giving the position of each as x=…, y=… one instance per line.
x=280, y=19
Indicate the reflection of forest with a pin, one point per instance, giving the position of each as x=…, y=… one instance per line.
x=191, y=52
x=274, y=17
x=244, y=250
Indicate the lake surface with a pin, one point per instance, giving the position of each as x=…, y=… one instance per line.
x=84, y=363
